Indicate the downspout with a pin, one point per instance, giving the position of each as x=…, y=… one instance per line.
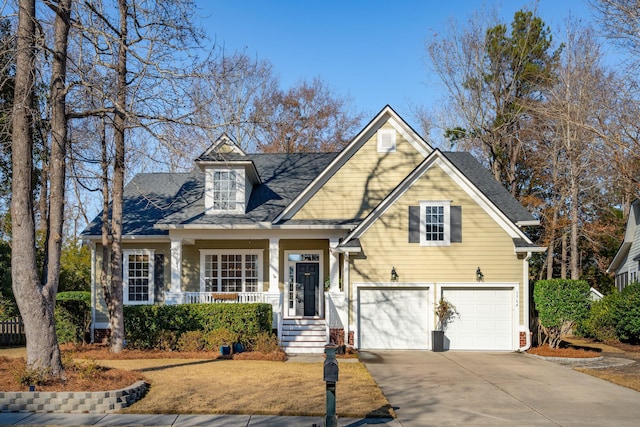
x=525, y=280
x=93, y=291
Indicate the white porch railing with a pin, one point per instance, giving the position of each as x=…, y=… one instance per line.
x=226, y=297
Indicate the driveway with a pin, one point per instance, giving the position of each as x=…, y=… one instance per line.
x=474, y=388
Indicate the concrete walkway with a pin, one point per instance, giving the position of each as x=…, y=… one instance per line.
x=496, y=389
x=180, y=420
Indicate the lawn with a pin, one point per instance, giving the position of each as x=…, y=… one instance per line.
x=224, y=386
x=252, y=387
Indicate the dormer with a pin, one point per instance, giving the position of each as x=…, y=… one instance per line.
x=229, y=178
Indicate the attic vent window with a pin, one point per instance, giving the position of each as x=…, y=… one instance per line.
x=386, y=141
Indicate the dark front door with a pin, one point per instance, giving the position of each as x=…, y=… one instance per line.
x=307, y=278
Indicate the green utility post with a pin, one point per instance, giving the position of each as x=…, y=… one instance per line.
x=331, y=377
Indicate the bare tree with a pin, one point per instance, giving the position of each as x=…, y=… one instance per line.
x=36, y=296
x=130, y=82
x=306, y=118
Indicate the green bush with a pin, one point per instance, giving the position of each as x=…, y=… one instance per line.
x=560, y=304
x=73, y=316
x=600, y=324
x=145, y=323
x=191, y=341
x=626, y=314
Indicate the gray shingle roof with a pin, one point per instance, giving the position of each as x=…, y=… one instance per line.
x=167, y=199
x=177, y=198
x=486, y=183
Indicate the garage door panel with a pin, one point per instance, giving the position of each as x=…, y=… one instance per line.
x=394, y=318
x=484, y=321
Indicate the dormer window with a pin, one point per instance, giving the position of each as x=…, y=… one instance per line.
x=229, y=178
x=224, y=191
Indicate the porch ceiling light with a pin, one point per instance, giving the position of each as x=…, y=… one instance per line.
x=394, y=274
x=479, y=275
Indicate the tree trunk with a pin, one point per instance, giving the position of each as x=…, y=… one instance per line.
x=563, y=265
x=34, y=301
x=116, y=314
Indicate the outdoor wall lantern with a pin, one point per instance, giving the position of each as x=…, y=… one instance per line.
x=394, y=274
x=479, y=275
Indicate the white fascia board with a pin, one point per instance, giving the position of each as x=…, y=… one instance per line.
x=248, y=234
x=531, y=223
x=247, y=165
x=531, y=249
x=138, y=238
x=257, y=226
x=386, y=114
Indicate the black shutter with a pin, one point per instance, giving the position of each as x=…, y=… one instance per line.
x=414, y=224
x=456, y=224
x=158, y=277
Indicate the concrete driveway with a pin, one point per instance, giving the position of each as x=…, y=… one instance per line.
x=474, y=388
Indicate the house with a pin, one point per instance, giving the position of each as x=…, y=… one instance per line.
x=626, y=262
x=357, y=245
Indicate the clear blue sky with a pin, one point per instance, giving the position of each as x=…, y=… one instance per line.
x=371, y=51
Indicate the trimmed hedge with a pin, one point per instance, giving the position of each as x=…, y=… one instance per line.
x=626, y=314
x=560, y=303
x=144, y=325
x=73, y=316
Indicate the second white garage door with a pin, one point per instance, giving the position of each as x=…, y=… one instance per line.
x=485, y=320
x=393, y=318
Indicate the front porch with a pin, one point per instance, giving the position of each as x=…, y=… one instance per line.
x=297, y=332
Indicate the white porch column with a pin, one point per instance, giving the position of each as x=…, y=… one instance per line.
x=173, y=296
x=334, y=266
x=273, y=295
x=274, y=265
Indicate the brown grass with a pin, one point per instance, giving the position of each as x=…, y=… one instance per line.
x=252, y=387
x=625, y=377
x=207, y=384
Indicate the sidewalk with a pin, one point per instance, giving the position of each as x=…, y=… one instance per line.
x=50, y=419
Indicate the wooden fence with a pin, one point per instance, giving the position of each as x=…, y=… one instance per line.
x=12, y=332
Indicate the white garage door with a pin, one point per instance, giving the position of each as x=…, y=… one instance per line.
x=485, y=320
x=392, y=318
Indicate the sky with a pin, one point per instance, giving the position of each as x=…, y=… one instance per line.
x=370, y=51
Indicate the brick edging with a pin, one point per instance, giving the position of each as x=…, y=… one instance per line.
x=88, y=402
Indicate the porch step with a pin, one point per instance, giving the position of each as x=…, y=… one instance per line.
x=304, y=335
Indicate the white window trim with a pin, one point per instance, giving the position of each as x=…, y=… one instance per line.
x=382, y=133
x=258, y=252
x=292, y=264
x=209, y=201
x=125, y=275
x=446, y=204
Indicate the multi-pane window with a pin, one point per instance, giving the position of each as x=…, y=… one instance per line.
x=138, y=277
x=224, y=190
x=229, y=272
x=435, y=223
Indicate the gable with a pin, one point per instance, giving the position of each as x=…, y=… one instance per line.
x=481, y=240
x=370, y=168
x=456, y=181
x=630, y=248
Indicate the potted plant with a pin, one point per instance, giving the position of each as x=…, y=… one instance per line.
x=445, y=312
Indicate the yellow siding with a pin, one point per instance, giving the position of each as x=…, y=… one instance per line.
x=484, y=243
x=362, y=182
